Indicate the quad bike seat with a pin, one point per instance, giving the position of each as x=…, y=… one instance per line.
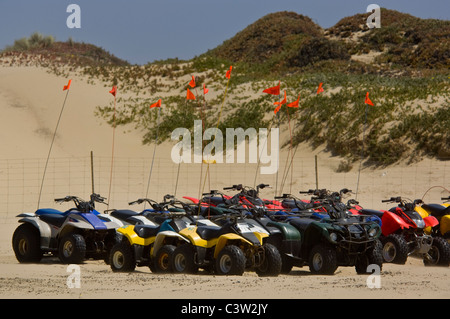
x=45, y=211
x=212, y=211
x=145, y=231
x=214, y=200
x=211, y=232
x=53, y=219
x=123, y=214
x=437, y=210
x=377, y=213
x=301, y=223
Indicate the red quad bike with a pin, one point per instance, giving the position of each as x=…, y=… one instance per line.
x=403, y=233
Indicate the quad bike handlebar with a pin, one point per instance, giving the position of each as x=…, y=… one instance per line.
x=154, y=204
x=446, y=198
x=403, y=203
x=284, y=196
x=401, y=200
x=82, y=205
x=323, y=193
x=397, y=199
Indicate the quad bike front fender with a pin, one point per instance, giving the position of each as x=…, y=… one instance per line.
x=133, y=238
x=445, y=224
x=191, y=234
x=192, y=199
x=431, y=221
x=289, y=232
x=391, y=223
x=160, y=238
x=421, y=211
x=222, y=241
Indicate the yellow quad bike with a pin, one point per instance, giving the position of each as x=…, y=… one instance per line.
x=228, y=249
x=148, y=245
x=440, y=232
x=442, y=214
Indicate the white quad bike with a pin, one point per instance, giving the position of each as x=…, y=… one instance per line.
x=74, y=235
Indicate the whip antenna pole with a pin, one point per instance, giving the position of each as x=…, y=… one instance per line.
x=362, y=154
x=66, y=87
x=113, y=92
x=153, y=157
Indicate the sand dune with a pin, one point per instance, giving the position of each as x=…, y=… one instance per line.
x=30, y=103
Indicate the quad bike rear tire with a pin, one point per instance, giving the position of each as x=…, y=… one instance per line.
x=323, y=260
x=439, y=254
x=395, y=249
x=121, y=258
x=161, y=262
x=272, y=262
x=25, y=241
x=72, y=249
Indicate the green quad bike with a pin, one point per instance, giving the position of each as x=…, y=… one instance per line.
x=285, y=237
x=335, y=238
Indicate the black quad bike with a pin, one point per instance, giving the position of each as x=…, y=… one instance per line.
x=334, y=239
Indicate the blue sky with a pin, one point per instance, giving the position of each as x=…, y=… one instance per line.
x=143, y=31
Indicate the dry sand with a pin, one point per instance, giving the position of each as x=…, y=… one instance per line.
x=30, y=101
x=48, y=279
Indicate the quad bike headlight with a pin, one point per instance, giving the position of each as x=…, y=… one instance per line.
x=372, y=232
x=334, y=237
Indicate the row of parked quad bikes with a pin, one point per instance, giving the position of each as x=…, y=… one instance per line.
x=229, y=234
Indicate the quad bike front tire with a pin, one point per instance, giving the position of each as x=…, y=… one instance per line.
x=25, y=241
x=323, y=260
x=372, y=256
x=121, y=258
x=161, y=263
x=395, y=249
x=271, y=265
x=439, y=254
x=182, y=260
x=230, y=261
x=72, y=249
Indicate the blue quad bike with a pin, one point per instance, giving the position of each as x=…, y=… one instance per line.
x=75, y=235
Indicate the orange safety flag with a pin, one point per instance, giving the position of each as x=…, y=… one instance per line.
x=205, y=90
x=190, y=95
x=273, y=90
x=192, y=83
x=66, y=87
x=157, y=104
x=295, y=103
x=368, y=101
x=113, y=90
x=228, y=74
x=320, y=88
x=280, y=104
